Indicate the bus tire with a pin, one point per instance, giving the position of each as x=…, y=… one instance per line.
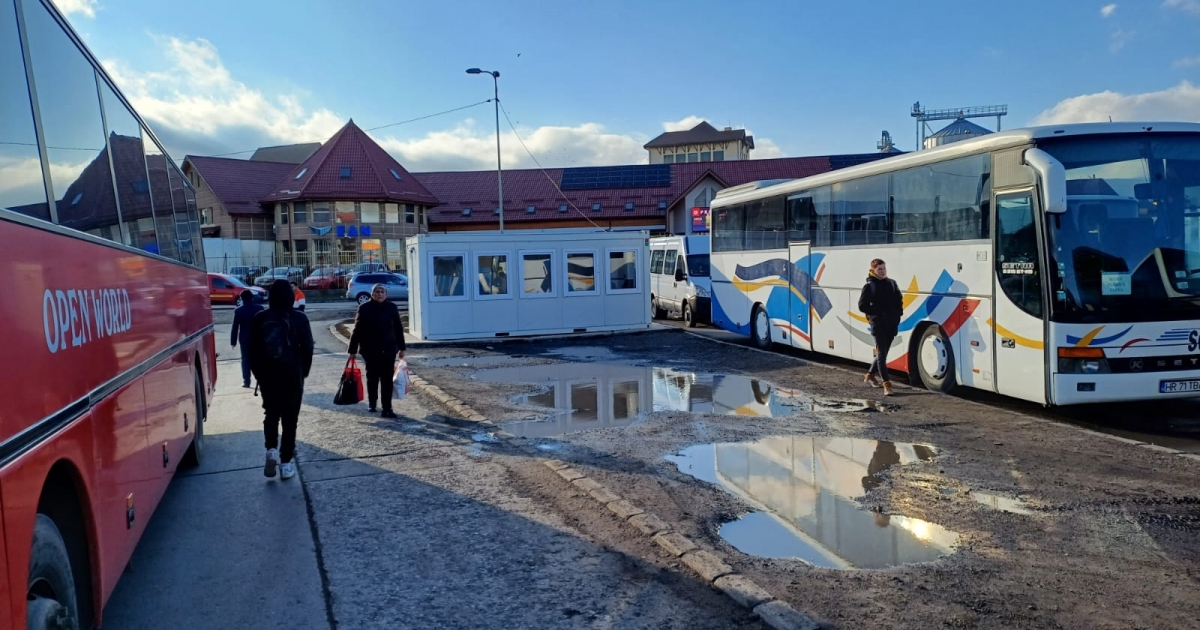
x=195, y=452
x=935, y=361
x=760, y=328
x=50, y=600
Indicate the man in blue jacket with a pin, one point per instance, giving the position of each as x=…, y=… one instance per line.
x=241, y=331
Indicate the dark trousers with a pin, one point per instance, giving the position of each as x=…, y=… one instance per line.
x=879, y=365
x=245, y=365
x=381, y=368
x=281, y=404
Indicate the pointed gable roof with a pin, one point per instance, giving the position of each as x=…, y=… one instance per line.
x=700, y=134
x=239, y=184
x=351, y=167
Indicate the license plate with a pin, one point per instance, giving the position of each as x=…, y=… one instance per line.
x=1179, y=387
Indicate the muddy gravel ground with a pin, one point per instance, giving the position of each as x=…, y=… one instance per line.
x=1107, y=534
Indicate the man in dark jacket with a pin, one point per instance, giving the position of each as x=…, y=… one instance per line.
x=281, y=352
x=242, y=317
x=379, y=333
x=883, y=304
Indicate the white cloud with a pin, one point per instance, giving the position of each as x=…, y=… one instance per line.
x=1191, y=6
x=1187, y=62
x=1107, y=10
x=1179, y=103
x=765, y=148
x=682, y=125
x=1120, y=38
x=83, y=7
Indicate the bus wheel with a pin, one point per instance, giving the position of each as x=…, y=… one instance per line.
x=195, y=452
x=760, y=328
x=935, y=361
x=688, y=316
x=50, y=597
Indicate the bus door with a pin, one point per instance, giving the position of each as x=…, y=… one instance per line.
x=800, y=316
x=1020, y=348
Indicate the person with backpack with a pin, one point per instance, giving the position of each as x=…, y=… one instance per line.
x=379, y=334
x=242, y=317
x=883, y=304
x=281, y=353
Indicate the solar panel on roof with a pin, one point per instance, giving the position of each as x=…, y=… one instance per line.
x=599, y=177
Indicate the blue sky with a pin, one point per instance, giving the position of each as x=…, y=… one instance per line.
x=590, y=83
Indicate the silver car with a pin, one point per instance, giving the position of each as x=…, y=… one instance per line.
x=359, y=289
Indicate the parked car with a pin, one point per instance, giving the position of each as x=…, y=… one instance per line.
x=226, y=289
x=326, y=278
x=247, y=274
x=360, y=286
x=369, y=267
x=291, y=274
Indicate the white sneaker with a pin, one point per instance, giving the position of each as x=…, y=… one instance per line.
x=272, y=462
x=287, y=470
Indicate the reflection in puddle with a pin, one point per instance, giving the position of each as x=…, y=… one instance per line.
x=472, y=361
x=1002, y=503
x=599, y=395
x=807, y=487
x=583, y=353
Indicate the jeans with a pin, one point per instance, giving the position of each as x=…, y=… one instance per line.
x=381, y=368
x=245, y=365
x=879, y=365
x=281, y=404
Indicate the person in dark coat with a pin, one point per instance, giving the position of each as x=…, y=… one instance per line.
x=379, y=335
x=281, y=353
x=242, y=317
x=883, y=304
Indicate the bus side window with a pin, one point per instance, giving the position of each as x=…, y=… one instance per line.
x=1017, y=266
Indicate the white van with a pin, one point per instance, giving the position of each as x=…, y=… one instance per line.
x=679, y=282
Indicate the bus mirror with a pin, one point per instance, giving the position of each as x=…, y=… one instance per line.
x=1054, y=180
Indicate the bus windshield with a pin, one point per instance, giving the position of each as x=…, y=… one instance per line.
x=1128, y=246
x=697, y=265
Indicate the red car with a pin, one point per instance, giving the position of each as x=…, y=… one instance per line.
x=326, y=278
x=223, y=289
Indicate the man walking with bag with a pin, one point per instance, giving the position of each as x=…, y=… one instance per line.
x=883, y=304
x=281, y=352
x=379, y=334
x=242, y=318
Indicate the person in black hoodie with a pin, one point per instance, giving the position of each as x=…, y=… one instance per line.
x=379, y=334
x=281, y=353
x=883, y=304
x=242, y=318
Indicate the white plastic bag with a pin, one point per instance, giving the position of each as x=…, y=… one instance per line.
x=401, y=381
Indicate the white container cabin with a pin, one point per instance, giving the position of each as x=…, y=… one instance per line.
x=477, y=285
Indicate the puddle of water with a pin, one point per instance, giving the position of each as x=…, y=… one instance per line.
x=484, y=437
x=604, y=395
x=1002, y=503
x=584, y=353
x=807, y=488
x=482, y=361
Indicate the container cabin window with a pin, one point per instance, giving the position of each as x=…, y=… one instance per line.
x=622, y=272
x=19, y=157
x=72, y=126
x=728, y=230
x=448, y=276
x=581, y=273
x=537, y=274
x=860, y=212
x=947, y=201
x=766, y=224
x=492, y=275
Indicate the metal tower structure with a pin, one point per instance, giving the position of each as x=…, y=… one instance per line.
x=885, y=144
x=923, y=117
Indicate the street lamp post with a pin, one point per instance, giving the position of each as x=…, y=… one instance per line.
x=496, y=100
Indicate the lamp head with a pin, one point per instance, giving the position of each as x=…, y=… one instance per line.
x=474, y=71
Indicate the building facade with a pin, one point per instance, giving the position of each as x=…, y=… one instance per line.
x=702, y=143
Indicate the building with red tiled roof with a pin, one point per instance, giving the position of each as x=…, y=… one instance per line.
x=702, y=143
x=655, y=197
x=227, y=193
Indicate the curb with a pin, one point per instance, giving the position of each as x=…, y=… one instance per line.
x=458, y=406
x=714, y=571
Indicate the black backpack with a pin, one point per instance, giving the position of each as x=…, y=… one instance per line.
x=279, y=344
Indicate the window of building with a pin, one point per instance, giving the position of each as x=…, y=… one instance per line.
x=321, y=252
x=396, y=260
x=300, y=212
x=282, y=215
x=562, y=207
x=693, y=157
x=448, y=276
x=410, y=213
x=321, y=212
x=301, y=173
x=345, y=212
x=391, y=213
x=369, y=211
x=345, y=173
x=668, y=159
x=705, y=156
x=581, y=273
x=372, y=250
x=491, y=275
x=394, y=173
x=622, y=271
x=300, y=254
x=537, y=274
x=718, y=156
x=206, y=216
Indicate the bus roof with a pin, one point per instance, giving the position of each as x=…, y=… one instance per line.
x=990, y=142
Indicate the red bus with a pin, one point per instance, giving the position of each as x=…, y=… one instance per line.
x=108, y=358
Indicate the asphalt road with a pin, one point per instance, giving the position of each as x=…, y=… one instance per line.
x=389, y=524
x=1174, y=424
